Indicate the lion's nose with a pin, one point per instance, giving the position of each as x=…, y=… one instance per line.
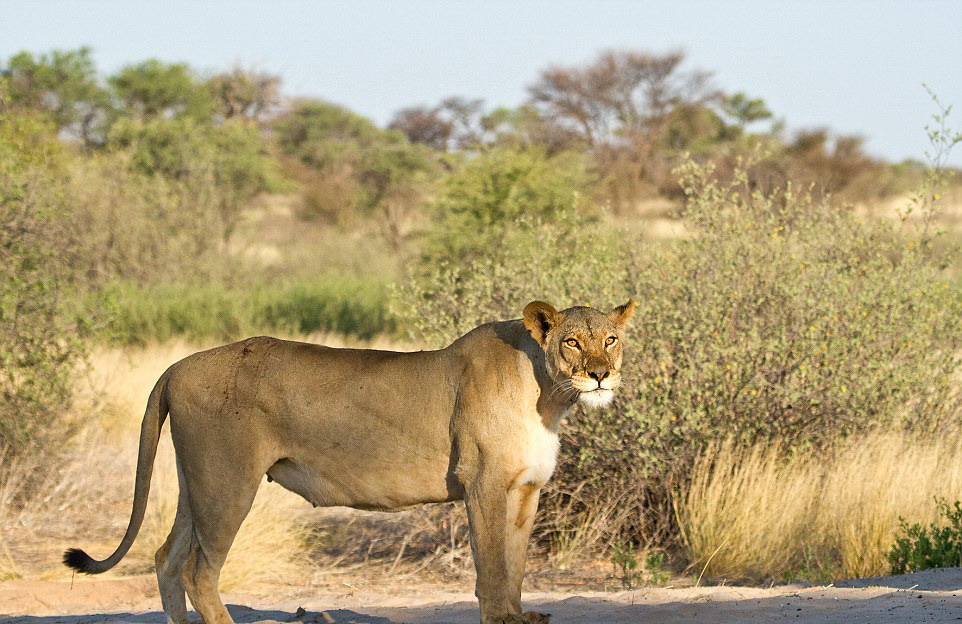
x=598, y=374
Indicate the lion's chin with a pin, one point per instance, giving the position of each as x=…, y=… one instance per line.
x=596, y=398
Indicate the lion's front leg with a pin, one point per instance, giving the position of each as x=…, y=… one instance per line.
x=487, y=505
x=501, y=518
x=522, y=509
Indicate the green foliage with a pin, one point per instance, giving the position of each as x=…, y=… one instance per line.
x=125, y=224
x=696, y=129
x=227, y=163
x=920, y=548
x=654, y=564
x=937, y=175
x=62, y=84
x=744, y=110
x=163, y=200
x=814, y=569
x=352, y=169
x=624, y=559
x=38, y=344
x=526, y=127
x=153, y=89
x=776, y=317
x=213, y=310
x=246, y=94
x=625, y=563
x=501, y=193
x=322, y=134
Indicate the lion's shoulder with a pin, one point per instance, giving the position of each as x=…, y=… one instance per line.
x=499, y=338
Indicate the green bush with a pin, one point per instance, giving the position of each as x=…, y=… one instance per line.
x=63, y=86
x=154, y=90
x=777, y=317
x=201, y=311
x=127, y=225
x=39, y=343
x=920, y=548
x=353, y=170
x=499, y=193
x=225, y=164
x=162, y=200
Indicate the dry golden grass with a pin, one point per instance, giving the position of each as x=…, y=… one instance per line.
x=756, y=513
x=745, y=513
x=581, y=538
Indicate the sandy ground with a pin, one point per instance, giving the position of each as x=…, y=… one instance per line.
x=931, y=596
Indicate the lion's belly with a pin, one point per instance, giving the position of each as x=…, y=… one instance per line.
x=371, y=444
x=364, y=484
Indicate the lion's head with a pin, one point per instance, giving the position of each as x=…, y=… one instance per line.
x=583, y=348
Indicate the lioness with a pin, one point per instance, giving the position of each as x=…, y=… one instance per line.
x=476, y=421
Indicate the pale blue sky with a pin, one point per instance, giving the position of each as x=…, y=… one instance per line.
x=853, y=65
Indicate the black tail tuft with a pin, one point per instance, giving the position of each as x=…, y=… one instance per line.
x=78, y=560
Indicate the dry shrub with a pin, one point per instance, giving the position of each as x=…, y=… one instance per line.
x=143, y=228
x=431, y=541
x=877, y=480
x=778, y=317
x=758, y=512
x=746, y=511
x=576, y=528
x=47, y=502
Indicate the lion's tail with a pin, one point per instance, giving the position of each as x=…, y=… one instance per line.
x=154, y=419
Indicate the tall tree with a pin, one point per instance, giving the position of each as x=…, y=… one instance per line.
x=743, y=110
x=455, y=123
x=526, y=127
x=62, y=84
x=244, y=93
x=153, y=89
x=620, y=94
x=634, y=110
x=424, y=125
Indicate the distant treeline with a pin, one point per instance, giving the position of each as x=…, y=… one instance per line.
x=632, y=115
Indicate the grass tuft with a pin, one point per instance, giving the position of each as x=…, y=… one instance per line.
x=761, y=514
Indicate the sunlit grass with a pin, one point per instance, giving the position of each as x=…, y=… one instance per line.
x=758, y=514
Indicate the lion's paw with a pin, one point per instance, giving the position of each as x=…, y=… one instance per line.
x=504, y=619
x=529, y=617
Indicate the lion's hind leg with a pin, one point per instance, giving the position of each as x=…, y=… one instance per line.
x=170, y=559
x=219, y=502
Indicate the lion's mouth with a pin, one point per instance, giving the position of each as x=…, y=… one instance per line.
x=585, y=384
x=599, y=397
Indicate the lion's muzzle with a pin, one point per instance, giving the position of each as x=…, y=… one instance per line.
x=596, y=388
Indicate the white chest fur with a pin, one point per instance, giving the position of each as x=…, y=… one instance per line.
x=539, y=452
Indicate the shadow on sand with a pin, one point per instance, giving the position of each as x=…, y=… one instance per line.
x=932, y=596
x=240, y=613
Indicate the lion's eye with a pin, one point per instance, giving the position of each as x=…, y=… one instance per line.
x=610, y=340
x=571, y=342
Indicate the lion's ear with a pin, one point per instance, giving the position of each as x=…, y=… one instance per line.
x=539, y=318
x=622, y=314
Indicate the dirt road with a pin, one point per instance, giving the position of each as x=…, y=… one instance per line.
x=931, y=596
